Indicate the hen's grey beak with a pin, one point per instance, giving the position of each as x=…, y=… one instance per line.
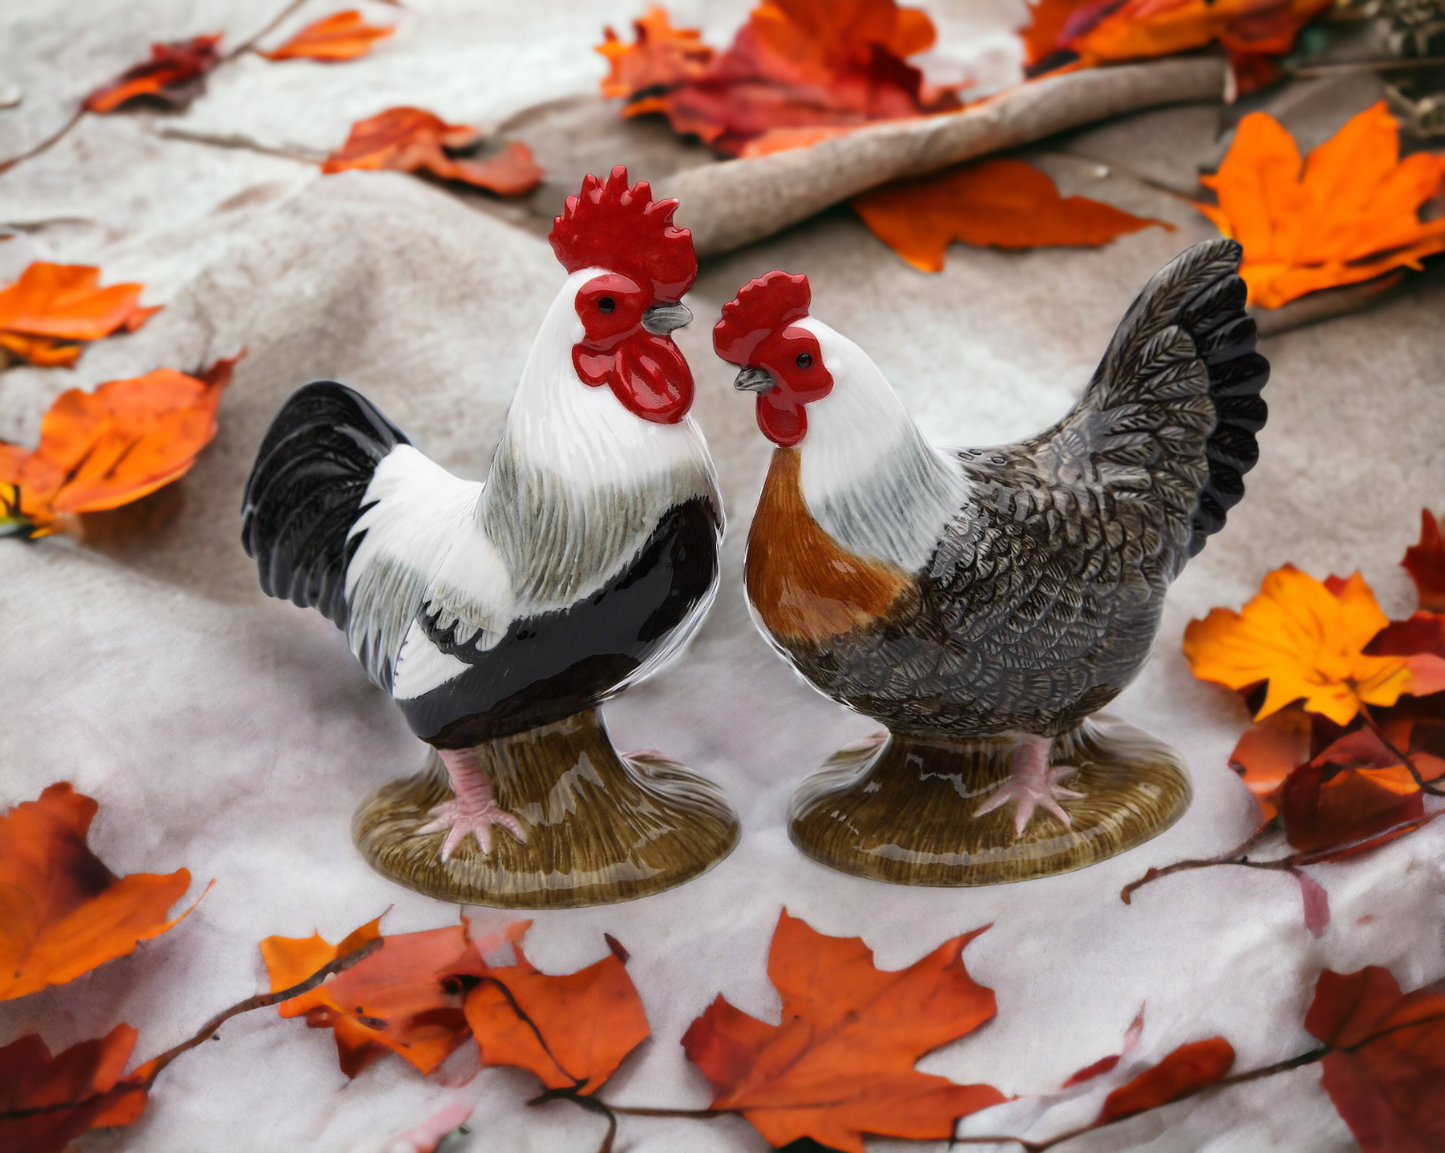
x=661, y=319
x=754, y=380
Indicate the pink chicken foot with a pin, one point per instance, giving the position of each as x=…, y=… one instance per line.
x=472, y=811
x=1033, y=783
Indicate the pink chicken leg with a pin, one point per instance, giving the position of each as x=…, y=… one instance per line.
x=473, y=810
x=1032, y=783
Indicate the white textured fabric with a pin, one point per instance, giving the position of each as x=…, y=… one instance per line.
x=235, y=735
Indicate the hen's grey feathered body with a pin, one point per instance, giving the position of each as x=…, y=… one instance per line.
x=1041, y=596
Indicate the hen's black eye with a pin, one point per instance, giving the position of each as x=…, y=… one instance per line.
x=805, y=360
x=606, y=304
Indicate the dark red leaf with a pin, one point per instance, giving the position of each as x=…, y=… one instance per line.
x=175, y=73
x=1186, y=1070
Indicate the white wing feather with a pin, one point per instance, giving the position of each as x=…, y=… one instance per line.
x=423, y=553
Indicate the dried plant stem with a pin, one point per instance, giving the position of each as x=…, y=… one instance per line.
x=1236, y=856
x=248, y=45
x=51, y=140
x=145, y=1076
x=271, y=25
x=1289, y=1063
x=1384, y=739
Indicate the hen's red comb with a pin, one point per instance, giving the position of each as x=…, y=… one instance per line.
x=624, y=230
x=763, y=306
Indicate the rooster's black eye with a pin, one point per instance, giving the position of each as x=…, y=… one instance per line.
x=805, y=360
x=606, y=304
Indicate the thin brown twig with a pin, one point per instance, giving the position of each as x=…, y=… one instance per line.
x=1404, y=759
x=1235, y=856
x=248, y=45
x=51, y=140
x=642, y=1111
x=271, y=25
x=259, y=1001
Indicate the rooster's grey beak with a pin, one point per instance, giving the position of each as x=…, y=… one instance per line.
x=754, y=380
x=661, y=319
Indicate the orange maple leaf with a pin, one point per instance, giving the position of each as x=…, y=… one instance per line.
x=1307, y=641
x=103, y=449
x=1184, y=1071
x=175, y=73
x=572, y=1030
x=1425, y=562
x=62, y=912
x=796, y=67
x=340, y=36
x=1388, y=1060
x=1349, y=212
x=396, y=1000
x=53, y=305
x=660, y=56
x=38, y=1086
x=1005, y=203
x=840, y=1064
x=412, y=139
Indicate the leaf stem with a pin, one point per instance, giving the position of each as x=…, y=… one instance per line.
x=53, y=139
x=271, y=25
x=1375, y=727
x=151, y=1069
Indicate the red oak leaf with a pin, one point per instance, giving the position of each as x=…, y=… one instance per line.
x=175, y=73
x=1354, y=789
x=413, y=140
x=1185, y=1071
x=1386, y=1076
x=840, y=1063
x=1425, y=562
x=62, y=1096
x=797, y=68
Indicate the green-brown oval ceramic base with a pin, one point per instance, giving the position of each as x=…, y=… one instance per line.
x=901, y=809
x=601, y=827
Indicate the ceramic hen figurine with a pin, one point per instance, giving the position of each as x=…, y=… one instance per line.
x=984, y=603
x=498, y=615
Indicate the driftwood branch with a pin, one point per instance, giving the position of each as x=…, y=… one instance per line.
x=736, y=202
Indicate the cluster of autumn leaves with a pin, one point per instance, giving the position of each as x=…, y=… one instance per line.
x=798, y=73
x=1349, y=707
x=839, y=1064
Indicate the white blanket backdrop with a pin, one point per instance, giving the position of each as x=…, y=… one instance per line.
x=234, y=735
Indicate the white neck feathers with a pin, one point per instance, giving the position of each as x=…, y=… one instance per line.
x=581, y=432
x=868, y=476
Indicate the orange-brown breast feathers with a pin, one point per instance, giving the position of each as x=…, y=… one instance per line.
x=804, y=585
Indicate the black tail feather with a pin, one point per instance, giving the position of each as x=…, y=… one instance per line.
x=305, y=492
x=1224, y=335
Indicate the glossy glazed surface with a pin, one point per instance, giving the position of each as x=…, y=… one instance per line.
x=601, y=828
x=992, y=598
x=902, y=809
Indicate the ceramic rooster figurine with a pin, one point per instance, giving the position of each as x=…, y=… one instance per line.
x=983, y=603
x=498, y=615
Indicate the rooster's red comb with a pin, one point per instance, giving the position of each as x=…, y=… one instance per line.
x=762, y=306
x=624, y=230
